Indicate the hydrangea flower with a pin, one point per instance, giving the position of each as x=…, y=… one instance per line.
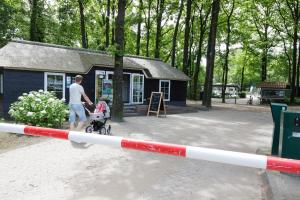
x=39, y=108
x=30, y=114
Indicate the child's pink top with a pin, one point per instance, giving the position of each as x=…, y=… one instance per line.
x=101, y=107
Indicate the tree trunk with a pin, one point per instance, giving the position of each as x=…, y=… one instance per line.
x=107, y=24
x=82, y=25
x=36, y=21
x=191, y=57
x=298, y=68
x=294, y=62
x=113, y=20
x=185, y=68
x=175, y=35
x=159, y=11
x=138, y=36
x=289, y=61
x=225, y=71
x=148, y=26
x=211, y=54
x=242, y=80
x=203, y=20
x=264, y=58
x=117, y=109
x=197, y=66
x=264, y=61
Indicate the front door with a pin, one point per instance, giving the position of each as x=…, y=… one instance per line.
x=126, y=88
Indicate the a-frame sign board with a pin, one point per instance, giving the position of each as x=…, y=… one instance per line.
x=156, y=104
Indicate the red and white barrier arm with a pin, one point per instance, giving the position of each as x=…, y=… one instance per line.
x=208, y=154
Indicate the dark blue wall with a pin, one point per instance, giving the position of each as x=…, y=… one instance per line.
x=178, y=91
x=15, y=83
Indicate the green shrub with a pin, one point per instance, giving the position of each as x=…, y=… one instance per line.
x=39, y=109
x=297, y=100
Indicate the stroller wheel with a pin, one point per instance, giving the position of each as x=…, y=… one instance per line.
x=102, y=130
x=89, y=129
x=108, y=132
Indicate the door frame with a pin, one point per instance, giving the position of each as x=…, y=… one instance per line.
x=131, y=88
x=106, y=73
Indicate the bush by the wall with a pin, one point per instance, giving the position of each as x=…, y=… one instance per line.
x=40, y=109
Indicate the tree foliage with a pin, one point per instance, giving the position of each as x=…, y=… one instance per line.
x=264, y=34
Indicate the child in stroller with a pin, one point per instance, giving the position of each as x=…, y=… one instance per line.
x=98, y=118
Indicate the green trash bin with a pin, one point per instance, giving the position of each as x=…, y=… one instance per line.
x=276, y=109
x=289, y=142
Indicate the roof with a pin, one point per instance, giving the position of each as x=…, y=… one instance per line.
x=228, y=85
x=273, y=85
x=27, y=55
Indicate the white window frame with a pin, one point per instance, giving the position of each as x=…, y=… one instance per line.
x=169, y=93
x=131, y=88
x=57, y=74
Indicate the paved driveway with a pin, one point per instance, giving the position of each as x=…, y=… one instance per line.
x=54, y=169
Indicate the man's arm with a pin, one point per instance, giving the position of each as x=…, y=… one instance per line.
x=86, y=98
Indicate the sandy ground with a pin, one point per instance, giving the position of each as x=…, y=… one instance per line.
x=55, y=169
x=10, y=141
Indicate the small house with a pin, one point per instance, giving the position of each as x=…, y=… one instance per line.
x=26, y=66
x=273, y=91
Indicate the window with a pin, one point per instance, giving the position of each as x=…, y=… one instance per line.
x=164, y=86
x=55, y=82
x=70, y=80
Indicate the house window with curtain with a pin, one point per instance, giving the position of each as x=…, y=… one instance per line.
x=165, y=87
x=55, y=82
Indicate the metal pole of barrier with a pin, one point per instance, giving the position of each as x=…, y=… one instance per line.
x=200, y=153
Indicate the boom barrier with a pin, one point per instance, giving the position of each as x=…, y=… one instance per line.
x=199, y=153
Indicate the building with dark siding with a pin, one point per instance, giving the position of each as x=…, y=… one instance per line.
x=28, y=66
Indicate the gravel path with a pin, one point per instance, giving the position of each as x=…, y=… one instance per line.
x=55, y=169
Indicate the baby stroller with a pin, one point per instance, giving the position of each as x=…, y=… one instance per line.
x=98, y=118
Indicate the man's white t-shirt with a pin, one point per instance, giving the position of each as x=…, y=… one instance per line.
x=76, y=91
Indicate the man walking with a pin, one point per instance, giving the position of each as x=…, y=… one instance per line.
x=75, y=104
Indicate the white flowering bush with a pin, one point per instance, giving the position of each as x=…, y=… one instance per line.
x=39, y=108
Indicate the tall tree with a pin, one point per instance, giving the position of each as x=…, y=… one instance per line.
x=159, y=10
x=175, y=34
x=107, y=23
x=6, y=16
x=294, y=11
x=204, y=11
x=228, y=30
x=185, y=68
x=263, y=27
x=140, y=20
x=37, y=25
x=113, y=20
x=148, y=27
x=117, y=109
x=82, y=25
x=211, y=54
